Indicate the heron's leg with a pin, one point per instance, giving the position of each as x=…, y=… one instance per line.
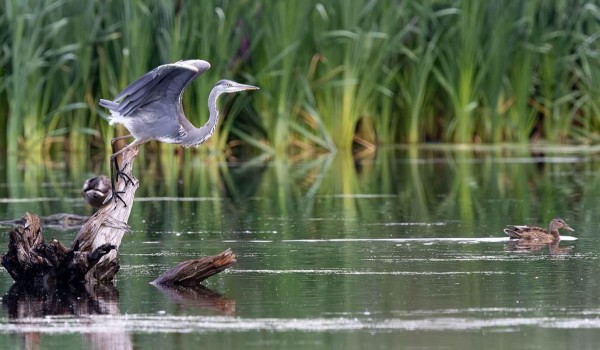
x=120, y=173
x=118, y=138
x=115, y=171
x=115, y=163
x=115, y=194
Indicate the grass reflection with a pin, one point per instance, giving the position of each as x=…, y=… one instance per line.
x=262, y=209
x=476, y=187
x=282, y=219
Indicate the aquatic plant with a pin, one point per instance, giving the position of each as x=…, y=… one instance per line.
x=333, y=75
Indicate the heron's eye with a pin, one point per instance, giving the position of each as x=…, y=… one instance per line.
x=229, y=84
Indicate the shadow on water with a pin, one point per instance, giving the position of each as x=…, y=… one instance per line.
x=28, y=307
x=23, y=302
x=199, y=297
x=35, y=311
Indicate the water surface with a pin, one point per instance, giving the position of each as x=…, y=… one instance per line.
x=401, y=250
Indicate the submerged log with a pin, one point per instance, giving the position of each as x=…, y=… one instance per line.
x=60, y=221
x=192, y=272
x=92, y=257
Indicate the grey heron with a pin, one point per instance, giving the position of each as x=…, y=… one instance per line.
x=150, y=108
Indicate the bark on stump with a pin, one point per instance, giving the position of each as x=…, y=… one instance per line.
x=92, y=257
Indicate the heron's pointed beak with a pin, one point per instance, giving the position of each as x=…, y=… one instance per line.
x=232, y=86
x=568, y=228
x=240, y=87
x=249, y=87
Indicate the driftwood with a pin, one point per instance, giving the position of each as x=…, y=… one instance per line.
x=32, y=261
x=60, y=221
x=92, y=257
x=189, y=273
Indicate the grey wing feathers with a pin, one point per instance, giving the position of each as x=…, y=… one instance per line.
x=109, y=104
x=164, y=83
x=145, y=81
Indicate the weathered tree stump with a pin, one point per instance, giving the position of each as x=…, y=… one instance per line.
x=30, y=260
x=92, y=257
x=109, y=223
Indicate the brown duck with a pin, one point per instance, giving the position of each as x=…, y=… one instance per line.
x=537, y=234
x=96, y=189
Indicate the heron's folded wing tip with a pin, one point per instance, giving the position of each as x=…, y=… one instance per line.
x=196, y=65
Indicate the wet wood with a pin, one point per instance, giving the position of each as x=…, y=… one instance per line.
x=92, y=257
x=192, y=272
x=109, y=224
x=60, y=221
x=32, y=261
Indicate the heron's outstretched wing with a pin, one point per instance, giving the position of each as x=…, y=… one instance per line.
x=159, y=90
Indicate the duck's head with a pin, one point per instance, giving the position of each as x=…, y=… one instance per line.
x=557, y=223
x=96, y=189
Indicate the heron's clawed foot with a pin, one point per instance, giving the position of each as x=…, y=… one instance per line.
x=116, y=197
x=121, y=174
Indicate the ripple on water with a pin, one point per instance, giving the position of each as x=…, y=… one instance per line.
x=395, y=240
x=185, y=324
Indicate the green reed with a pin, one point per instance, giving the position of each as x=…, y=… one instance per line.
x=355, y=41
x=589, y=71
x=280, y=60
x=333, y=75
x=414, y=76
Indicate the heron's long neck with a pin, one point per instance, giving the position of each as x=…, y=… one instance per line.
x=200, y=135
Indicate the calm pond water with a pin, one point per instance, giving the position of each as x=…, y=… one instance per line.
x=404, y=249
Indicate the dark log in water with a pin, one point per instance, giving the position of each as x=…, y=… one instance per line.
x=92, y=257
x=192, y=272
x=60, y=221
x=32, y=261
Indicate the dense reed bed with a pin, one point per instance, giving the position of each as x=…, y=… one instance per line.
x=334, y=75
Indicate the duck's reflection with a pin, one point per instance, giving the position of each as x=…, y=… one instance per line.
x=527, y=246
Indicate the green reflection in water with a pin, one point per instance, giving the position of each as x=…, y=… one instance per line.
x=270, y=213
